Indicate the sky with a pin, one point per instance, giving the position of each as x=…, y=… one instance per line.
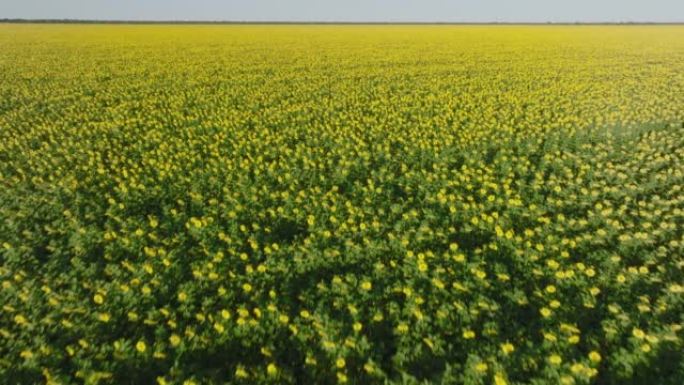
x=351, y=10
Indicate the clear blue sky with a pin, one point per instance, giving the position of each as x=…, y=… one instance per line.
x=351, y=10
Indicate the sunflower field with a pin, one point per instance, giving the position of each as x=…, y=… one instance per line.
x=321, y=204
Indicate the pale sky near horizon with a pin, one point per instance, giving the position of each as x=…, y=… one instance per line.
x=351, y=10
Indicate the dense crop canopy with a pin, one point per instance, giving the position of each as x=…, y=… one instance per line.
x=341, y=204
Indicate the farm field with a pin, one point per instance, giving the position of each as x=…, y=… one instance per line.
x=320, y=204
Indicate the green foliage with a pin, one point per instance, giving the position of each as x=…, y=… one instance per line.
x=362, y=205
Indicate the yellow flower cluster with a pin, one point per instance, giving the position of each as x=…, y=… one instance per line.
x=341, y=204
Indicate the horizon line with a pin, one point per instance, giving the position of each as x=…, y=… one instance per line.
x=319, y=22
